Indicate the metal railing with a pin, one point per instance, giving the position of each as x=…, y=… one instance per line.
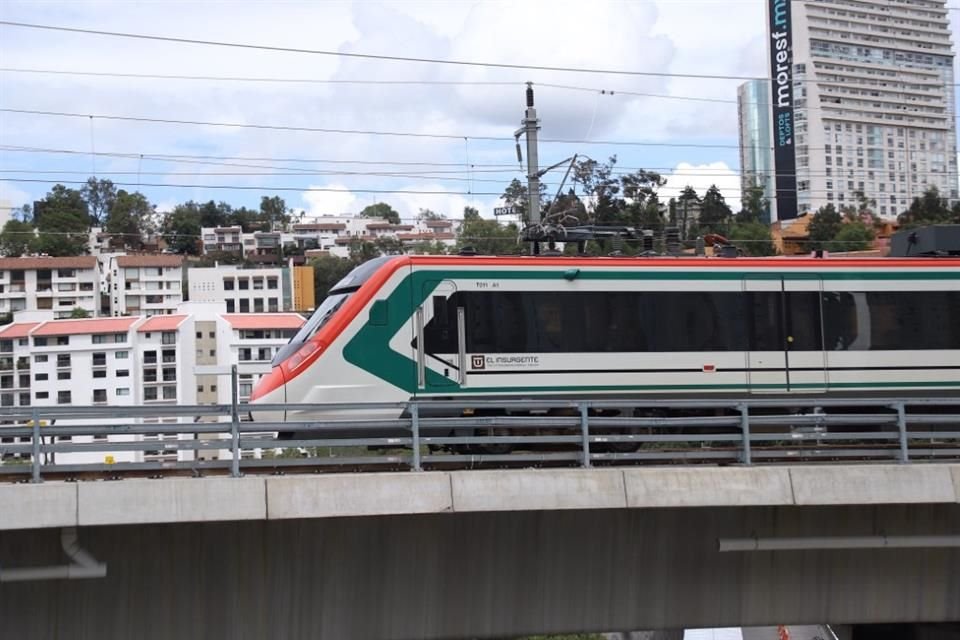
x=479, y=434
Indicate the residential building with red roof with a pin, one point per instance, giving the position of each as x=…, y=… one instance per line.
x=60, y=285
x=145, y=284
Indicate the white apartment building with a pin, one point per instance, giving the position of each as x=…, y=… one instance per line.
x=863, y=101
x=59, y=285
x=145, y=284
x=240, y=290
x=177, y=359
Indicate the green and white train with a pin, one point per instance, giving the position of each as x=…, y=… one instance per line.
x=466, y=327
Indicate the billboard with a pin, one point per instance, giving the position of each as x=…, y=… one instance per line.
x=781, y=104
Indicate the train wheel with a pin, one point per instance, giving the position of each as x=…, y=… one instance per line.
x=491, y=448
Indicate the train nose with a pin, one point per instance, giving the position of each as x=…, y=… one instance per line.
x=271, y=389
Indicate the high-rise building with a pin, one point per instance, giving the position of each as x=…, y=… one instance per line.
x=861, y=101
x=756, y=145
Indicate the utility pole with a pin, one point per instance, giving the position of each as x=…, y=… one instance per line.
x=530, y=127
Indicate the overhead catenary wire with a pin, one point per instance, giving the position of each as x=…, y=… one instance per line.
x=370, y=56
x=208, y=160
x=412, y=134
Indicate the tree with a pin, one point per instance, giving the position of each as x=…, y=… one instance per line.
x=273, y=210
x=181, y=229
x=381, y=210
x=715, y=214
x=685, y=208
x=753, y=238
x=79, y=312
x=854, y=235
x=15, y=238
x=247, y=219
x=428, y=214
x=824, y=227
x=63, y=223
x=212, y=214
x=929, y=208
x=488, y=237
x=129, y=219
x=756, y=208
x=328, y=271
x=516, y=195
x=99, y=195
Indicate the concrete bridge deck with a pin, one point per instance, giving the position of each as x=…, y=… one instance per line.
x=213, y=499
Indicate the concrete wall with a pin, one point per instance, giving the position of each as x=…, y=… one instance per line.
x=482, y=574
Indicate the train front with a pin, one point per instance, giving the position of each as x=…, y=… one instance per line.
x=295, y=369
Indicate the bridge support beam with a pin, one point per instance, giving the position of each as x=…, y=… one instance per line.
x=487, y=574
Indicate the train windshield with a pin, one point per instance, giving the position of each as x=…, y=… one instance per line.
x=338, y=295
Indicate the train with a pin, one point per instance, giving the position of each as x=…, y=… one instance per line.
x=486, y=328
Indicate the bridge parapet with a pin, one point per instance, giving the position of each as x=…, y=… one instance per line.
x=220, y=499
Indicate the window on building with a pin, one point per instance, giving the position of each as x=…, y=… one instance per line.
x=63, y=397
x=100, y=373
x=121, y=355
x=272, y=283
x=273, y=305
x=123, y=373
x=231, y=306
x=228, y=284
x=63, y=359
x=24, y=399
x=244, y=306
x=150, y=393
x=63, y=340
x=169, y=337
x=42, y=395
x=213, y=334
x=99, y=395
x=169, y=393
x=41, y=358
x=199, y=335
x=258, y=305
x=99, y=359
x=98, y=339
x=63, y=375
x=149, y=375
x=123, y=391
x=243, y=283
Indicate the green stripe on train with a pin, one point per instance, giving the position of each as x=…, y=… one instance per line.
x=370, y=347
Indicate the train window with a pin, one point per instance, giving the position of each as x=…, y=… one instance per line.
x=803, y=321
x=764, y=320
x=891, y=320
x=440, y=332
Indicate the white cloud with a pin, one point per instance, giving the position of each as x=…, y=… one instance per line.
x=13, y=196
x=329, y=203
x=701, y=177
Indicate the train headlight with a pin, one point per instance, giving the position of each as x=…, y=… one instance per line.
x=302, y=354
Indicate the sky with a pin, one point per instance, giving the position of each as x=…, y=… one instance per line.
x=477, y=108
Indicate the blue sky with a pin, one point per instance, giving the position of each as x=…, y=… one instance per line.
x=678, y=36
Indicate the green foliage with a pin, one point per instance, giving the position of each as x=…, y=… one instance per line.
x=824, y=227
x=428, y=214
x=756, y=208
x=487, y=237
x=129, y=219
x=381, y=210
x=620, y=200
x=273, y=210
x=715, y=213
x=852, y=236
x=211, y=214
x=99, y=195
x=929, y=208
x=516, y=195
x=328, y=271
x=79, y=312
x=426, y=247
x=15, y=238
x=753, y=238
x=63, y=223
x=247, y=219
x=181, y=229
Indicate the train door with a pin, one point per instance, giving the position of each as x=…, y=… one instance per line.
x=803, y=314
x=766, y=355
x=784, y=334
x=439, y=338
